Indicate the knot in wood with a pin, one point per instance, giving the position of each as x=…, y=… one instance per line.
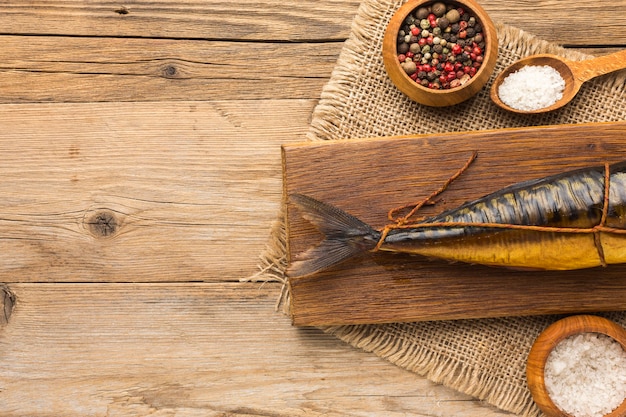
x=170, y=71
x=103, y=223
x=7, y=301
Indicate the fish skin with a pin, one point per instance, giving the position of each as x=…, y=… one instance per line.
x=574, y=199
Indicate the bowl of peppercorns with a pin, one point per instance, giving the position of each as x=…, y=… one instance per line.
x=440, y=53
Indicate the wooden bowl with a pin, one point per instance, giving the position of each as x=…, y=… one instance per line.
x=549, y=339
x=443, y=97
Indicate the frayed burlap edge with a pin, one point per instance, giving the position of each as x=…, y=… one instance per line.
x=331, y=112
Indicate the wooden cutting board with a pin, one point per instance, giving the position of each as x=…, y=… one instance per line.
x=367, y=177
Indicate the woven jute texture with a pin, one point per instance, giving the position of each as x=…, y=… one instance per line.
x=483, y=358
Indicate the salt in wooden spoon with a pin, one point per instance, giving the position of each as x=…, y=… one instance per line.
x=574, y=73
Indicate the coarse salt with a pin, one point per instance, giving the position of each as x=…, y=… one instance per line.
x=532, y=87
x=585, y=375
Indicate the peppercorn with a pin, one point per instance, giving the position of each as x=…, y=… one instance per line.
x=422, y=13
x=440, y=46
x=409, y=67
x=453, y=16
x=438, y=9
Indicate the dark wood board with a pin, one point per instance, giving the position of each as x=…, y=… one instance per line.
x=367, y=177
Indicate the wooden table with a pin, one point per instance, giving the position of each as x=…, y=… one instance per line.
x=140, y=177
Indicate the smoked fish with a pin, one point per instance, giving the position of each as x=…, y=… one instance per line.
x=572, y=220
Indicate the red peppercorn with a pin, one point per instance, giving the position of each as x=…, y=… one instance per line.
x=426, y=67
x=467, y=69
x=410, y=54
x=473, y=56
x=451, y=76
x=422, y=41
x=429, y=40
x=401, y=57
x=456, y=49
x=442, y=79
x=413, y=76
x=472, y=71
x=415, y=31
x=457, y=66
x=477, y=50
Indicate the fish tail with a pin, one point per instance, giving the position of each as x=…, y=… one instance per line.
x=344, y=236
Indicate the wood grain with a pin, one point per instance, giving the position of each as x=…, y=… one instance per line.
x=193, y=350
x=45, y=69
x=322, y=20
x=388, y=288
x=269, y=21
x=222, y=85
x=141, y=191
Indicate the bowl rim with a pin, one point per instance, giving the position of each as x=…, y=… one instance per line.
x=397, y=74
x=549, y=339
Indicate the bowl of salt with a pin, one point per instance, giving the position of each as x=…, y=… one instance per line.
x=577, y=368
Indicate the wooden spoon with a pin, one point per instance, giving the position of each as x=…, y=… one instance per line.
x=575, y=73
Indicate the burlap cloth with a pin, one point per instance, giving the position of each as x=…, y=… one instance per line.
x=483, y=358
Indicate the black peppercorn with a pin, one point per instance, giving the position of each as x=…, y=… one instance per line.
x=422, y=13
x=438, y=9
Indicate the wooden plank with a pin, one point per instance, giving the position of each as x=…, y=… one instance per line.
x=270, y=20
x=193, y=350
x=47, y=69
x=141, y=191
x=367, y=178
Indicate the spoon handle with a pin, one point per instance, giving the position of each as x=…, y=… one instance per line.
x=588, y=69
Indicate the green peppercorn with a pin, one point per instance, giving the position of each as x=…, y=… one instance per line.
x=424, y=24
x=453, y=16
